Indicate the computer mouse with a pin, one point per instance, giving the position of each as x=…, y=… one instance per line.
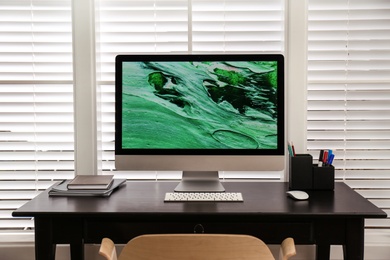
x=297, y=194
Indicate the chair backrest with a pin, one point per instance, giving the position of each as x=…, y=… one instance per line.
x=195, y=246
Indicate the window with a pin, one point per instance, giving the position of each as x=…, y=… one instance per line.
x=236, y=26
x=36, y=102
x=349, y=93
x=198, y=26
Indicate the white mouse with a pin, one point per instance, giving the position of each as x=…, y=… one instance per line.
x=298, y=195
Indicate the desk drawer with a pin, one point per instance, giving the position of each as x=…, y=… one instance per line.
x=269, y=232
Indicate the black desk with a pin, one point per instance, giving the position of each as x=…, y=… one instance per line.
x=327, y=218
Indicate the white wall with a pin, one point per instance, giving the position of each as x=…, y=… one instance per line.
x=296, y=46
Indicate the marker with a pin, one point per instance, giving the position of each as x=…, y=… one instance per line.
x=325, y=157
x=329, y=153
x=293, y=148
x=320, y=158
x=321, y=155
x=290, y=151
x=331, y=157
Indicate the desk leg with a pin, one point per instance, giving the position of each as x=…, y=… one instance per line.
x=77, y=251
x=354, y=247
x=45, y=249
x=76, y=241
x=323, y=232
x=322, y=251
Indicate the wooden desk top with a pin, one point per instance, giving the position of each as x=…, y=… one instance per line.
x=146, y=199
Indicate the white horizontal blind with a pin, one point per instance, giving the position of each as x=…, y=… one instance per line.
x=349, y=93
x=184, y=26
x=132, y=26
x=36, y=102
x=238, y=26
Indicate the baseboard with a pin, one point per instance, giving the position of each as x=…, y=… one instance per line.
x=373, y=251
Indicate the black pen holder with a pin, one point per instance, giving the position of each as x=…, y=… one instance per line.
x=323, y=177
x=304, y=175
x=301, y=172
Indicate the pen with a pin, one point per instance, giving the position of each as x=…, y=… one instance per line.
x=331, y=157
x=325, y=157
x=321, y=155
x=290, y=151
x=320, y=158
x=293, y=148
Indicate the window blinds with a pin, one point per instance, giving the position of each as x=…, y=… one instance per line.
x=133, y=27
x=36, y=102
x=237, y=26
x=349, y=93
x=196, y=26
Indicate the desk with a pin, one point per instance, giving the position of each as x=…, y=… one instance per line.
x=327, y=218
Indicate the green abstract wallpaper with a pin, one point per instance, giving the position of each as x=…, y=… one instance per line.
x=199, y=105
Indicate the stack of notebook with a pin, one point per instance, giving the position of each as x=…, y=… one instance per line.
x=87, y=185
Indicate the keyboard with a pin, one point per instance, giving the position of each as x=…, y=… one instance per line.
x=203, y=196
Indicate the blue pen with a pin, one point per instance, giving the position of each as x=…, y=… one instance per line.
x=330, y=160
x=330, y=152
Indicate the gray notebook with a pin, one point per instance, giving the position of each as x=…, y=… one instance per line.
x=62, y=189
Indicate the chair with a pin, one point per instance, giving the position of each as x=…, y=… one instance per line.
x=195, y=247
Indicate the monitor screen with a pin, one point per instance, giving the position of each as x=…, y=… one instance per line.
x=174, y=109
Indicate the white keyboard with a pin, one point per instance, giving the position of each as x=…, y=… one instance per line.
x=203, y=196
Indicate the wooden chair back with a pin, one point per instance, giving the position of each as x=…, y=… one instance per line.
x=195, y=247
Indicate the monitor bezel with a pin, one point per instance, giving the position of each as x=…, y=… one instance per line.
x=120, y=59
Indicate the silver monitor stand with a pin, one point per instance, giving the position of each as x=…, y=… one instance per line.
x=200, y=181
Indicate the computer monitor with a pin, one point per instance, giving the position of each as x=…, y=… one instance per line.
x=200, y=114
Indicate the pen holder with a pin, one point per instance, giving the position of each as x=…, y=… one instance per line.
x=323, y=177
x=301, y=173
x=304, y=175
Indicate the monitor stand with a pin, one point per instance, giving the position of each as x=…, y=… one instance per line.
x=200, y=181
